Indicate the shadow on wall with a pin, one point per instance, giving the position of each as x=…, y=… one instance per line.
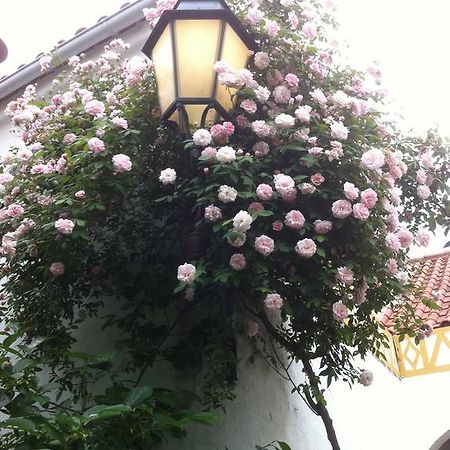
x=443, y=443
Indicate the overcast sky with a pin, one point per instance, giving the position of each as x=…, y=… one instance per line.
x=409, y=38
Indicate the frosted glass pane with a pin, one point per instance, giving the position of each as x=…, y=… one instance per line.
x=195, y=114
x=164, y=70
x=196, y=43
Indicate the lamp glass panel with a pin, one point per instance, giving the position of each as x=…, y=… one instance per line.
x=234, y=53
x=162, y=56
x=196, y=45
x=195, y=114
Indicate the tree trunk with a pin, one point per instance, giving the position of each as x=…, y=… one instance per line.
x=320, y=407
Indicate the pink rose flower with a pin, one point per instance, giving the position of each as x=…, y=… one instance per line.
x=424, y=237
x=341, y=209
x=264, y=192
x=392, y=222
x=277, y=225
x=120, y=122
x=168, y=176
x=319, y=96
x=366, y=377
x=345, y=275
x=242, y=221
x=421, y=176
x=272, y=28
x=369, y=198
x=64, y=226
x=238, y=262
x=260, y=128
x=255, y=208
x=264, y=245
x=391, y=266
x=294, y=219
x=201, y=137
x=273, y=301
x=69, y=138
x=351, y=191
x=339, y=131
x=317, y=179
x=96, y=145
x=80, y=194
x=340, y=311
x=238, y=240
x=261, y=60
x=226, y=194
x=284, y=184
x=309, y=30
x=423, y=192
x=360, y=211
x=213, y=213
x=405, y=237
x=285, y=121
x=293, y=20
x=261, y=149
x=209, y=152
x=373, y=159
x=122, y=163
x=322, y=226
x=186, y=273
x=303, y=113
x=14, y=210
x=24, y=155
x=361, y=293
x=226, y=155
x=249, y=106
x=292, y=80
x=393, y=242
x=57, y=269
x=306, y=248
x=95, y=108
x=282, y=94
x=307, y=188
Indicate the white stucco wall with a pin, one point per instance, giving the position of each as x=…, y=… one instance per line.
x=392, y=414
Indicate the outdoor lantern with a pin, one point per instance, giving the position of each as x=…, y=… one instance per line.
x=184, y=45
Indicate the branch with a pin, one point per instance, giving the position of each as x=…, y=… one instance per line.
x=319, y=405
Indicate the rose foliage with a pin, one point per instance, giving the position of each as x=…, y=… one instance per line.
x=292, y=220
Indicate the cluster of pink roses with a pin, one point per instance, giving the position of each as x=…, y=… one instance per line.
x=38, y=125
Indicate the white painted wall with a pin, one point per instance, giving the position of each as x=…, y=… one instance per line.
x=392, y=414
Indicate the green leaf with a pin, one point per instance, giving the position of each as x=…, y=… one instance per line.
x=99, y=412
x=265, y=213
x=179, y=288
x=22, y=364
x=283, y=445
x=320, y=252
x=20, y=423
x=138, y=395
x=205, y=418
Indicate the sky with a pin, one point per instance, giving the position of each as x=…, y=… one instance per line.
x=409, y=39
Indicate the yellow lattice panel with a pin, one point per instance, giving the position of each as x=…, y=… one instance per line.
x=407, y=359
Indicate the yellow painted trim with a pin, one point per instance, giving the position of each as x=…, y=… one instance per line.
x=406, y=359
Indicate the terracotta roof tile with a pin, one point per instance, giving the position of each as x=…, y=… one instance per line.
x=432, y=278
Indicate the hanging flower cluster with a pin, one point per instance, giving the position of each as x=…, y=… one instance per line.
x=314, y=195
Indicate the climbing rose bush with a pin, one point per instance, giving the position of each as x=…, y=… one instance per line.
x=292, y=218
